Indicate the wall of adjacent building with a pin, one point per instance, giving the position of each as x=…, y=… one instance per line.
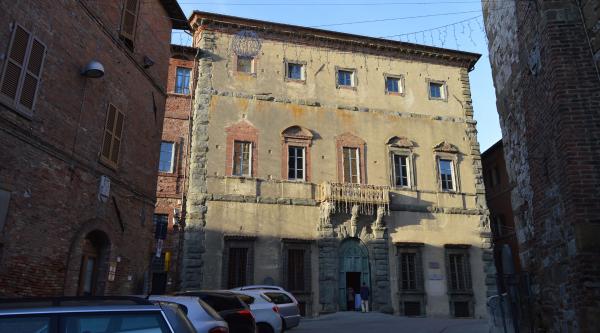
x=544, y=58
x=50, y=158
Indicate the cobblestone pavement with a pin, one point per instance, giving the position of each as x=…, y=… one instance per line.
x=356, y=322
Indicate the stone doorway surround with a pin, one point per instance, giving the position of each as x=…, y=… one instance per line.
x=334, y=228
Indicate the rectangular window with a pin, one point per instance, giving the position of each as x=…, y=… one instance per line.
x=345, y=78
x=237, y=267
x=245, y=64
x=437, y=90
x=295, y=71
x=351, y=165
x=113, y=135
x=401, y=170
x=241, y=158
x=22, y=70
x=129, y=21
x=409, y=271
x=459, y=274
x=446, y=175
x=296, y=163
x=182, y=81
x=393, y=85
x=167, y=156
x=295, y=270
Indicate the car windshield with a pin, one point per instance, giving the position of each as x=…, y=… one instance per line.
x=279, y=298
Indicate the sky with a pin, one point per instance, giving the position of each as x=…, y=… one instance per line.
x=454, y=24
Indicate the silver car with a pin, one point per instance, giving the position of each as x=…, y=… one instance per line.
x=268, y=319
x=286, y=302
x=204, y=318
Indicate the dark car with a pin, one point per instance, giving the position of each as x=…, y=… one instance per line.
x=90, y=314
x=236, y=313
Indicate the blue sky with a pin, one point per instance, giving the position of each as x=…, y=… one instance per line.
x=455, y=24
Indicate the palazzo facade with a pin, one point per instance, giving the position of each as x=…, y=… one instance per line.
x=320, y=161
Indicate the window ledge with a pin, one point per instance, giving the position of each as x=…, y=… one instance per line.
x=172, y=93
x=107, y=163
x=167, y=174
x=346, y=87
x=393, y=93
x=300, y=81
x=25, y=114
x=245, y=74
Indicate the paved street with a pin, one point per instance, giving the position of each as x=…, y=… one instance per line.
x=356, y=322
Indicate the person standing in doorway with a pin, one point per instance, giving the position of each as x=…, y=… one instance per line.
x=350, y=302
x=364, y=296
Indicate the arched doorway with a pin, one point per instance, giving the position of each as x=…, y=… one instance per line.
x=354, y=269
x=93, y=252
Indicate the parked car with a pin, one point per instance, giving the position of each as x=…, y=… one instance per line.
x=287, y=303
x=265, y=311
x=90, y=314
x=204, y=318
x=229, y=306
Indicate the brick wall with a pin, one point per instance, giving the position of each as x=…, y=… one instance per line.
x=170, y=190
x=544, y=58
x=50, y=161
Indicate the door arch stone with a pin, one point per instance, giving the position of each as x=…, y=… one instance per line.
x=353, y=258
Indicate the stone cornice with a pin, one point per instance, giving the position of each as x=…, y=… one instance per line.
x=331, y=39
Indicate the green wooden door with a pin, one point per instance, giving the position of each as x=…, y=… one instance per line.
x=354, y=257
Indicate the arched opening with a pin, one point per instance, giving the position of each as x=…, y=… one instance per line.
x=93, y=255
x=354, y=270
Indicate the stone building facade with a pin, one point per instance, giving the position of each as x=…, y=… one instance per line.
x=545, y=57
x=79, y=152
x=172, y=169
x=321, y=161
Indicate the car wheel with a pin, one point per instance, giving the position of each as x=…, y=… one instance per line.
x=264, y=328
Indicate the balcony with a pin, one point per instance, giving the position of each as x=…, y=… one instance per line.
x=344, y=195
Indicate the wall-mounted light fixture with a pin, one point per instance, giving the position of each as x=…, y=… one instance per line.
x=94, y=69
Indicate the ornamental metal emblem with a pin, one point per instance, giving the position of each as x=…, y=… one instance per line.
x=246, y=43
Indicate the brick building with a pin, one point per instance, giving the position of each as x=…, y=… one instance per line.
x=545, y=57
x=320, y=161
x=172, y=175
x=80, y=150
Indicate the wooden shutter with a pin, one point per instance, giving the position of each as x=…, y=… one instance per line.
x=129, y=19
x=23, y=68
x=113, y=133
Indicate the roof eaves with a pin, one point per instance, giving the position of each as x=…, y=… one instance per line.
x=178, y=19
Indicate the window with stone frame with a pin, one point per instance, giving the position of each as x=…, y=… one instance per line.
x=458, y=268
x=242, y=155
x=351, y=159
x=446, y=172
x=446, y=159
x=437, y=90
x=238, y=261
x=351, y=164
x=296, y=163
x=296, y=266
x=401, y=170
x=295, y=160
x=245, y=64
x=410, y=278
x=401, y=161
x=241, y=150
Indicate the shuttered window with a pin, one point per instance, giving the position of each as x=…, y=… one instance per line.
x=22, y=70
x=113, y=135
x=129, y=20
